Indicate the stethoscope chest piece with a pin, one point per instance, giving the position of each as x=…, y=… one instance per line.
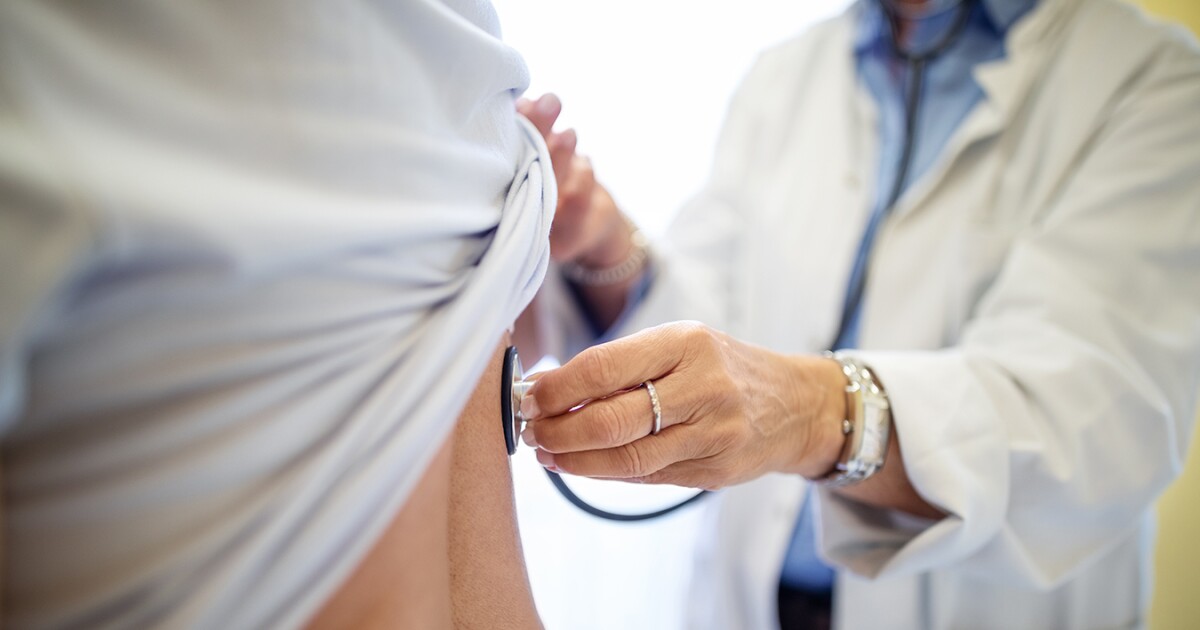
x=512, y=388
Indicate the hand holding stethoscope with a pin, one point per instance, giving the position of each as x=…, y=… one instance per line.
x=514, y=388
x=727, y=411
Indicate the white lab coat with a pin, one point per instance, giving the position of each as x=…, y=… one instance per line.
x=1033, y=310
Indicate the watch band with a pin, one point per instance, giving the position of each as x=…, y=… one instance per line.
x=870, y=424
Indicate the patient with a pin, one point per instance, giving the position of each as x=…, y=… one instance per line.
x=257, y=260
x=468, y=493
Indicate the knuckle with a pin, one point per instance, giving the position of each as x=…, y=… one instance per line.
x=726, y=439
x=719, y=380
x=570, y=193
x=599, y=367
x=580, y=191
x=716, y=400
x=692, y=330
x=630, y=461
x=605, y=425
x=583, y=165
x=699, y=338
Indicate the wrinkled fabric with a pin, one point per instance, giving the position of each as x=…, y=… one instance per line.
x=256, y=257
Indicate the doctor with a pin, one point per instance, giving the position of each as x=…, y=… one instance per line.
x=992, y=209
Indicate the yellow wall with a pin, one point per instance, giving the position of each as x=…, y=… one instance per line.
x=1186, y=12
x=1176, y=604
x=1177, y=560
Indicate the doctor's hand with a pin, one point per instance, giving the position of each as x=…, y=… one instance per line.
x=731, y=411
x=588, y=228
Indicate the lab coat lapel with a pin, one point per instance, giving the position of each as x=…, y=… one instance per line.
x=821, y=167
x=1005, y=84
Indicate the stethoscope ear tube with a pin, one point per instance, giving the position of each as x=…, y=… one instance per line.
x=512, y=388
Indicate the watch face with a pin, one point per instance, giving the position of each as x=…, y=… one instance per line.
x=875, y=436
x=875, y=441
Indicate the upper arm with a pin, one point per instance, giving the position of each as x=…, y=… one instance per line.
x=438, y=563
x=489, y=585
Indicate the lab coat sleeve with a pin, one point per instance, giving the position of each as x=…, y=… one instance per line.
x=41, y=241
x=1068, y=405
x=693, y=265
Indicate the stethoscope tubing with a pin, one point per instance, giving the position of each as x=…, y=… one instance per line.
x=575, y=500
x=916, y=63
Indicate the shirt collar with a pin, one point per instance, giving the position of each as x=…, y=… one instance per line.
x=872, y=26
x=1004, y=13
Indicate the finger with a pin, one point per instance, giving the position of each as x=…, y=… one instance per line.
x=544, y=112
x=637, y=459
x=562, y=151
x=575, y=189
x=574, y=224
x=613, y=421
x=604, y=369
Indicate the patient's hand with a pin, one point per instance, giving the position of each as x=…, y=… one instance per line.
x=588, y=228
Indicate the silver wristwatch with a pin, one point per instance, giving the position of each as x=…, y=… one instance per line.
x=868, y=427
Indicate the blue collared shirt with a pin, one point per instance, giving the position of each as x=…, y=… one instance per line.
x=949, y=94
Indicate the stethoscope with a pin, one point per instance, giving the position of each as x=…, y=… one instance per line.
x=514, y=385
x=916, y=63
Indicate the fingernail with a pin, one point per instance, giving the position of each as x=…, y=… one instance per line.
x=546, y=459
x=529, y=408
x=528, y=438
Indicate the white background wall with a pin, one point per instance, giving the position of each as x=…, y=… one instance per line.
x=646, y=83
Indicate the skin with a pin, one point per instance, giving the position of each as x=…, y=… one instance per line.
x=732, y=411
x=489, y=586
x=452, y=557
